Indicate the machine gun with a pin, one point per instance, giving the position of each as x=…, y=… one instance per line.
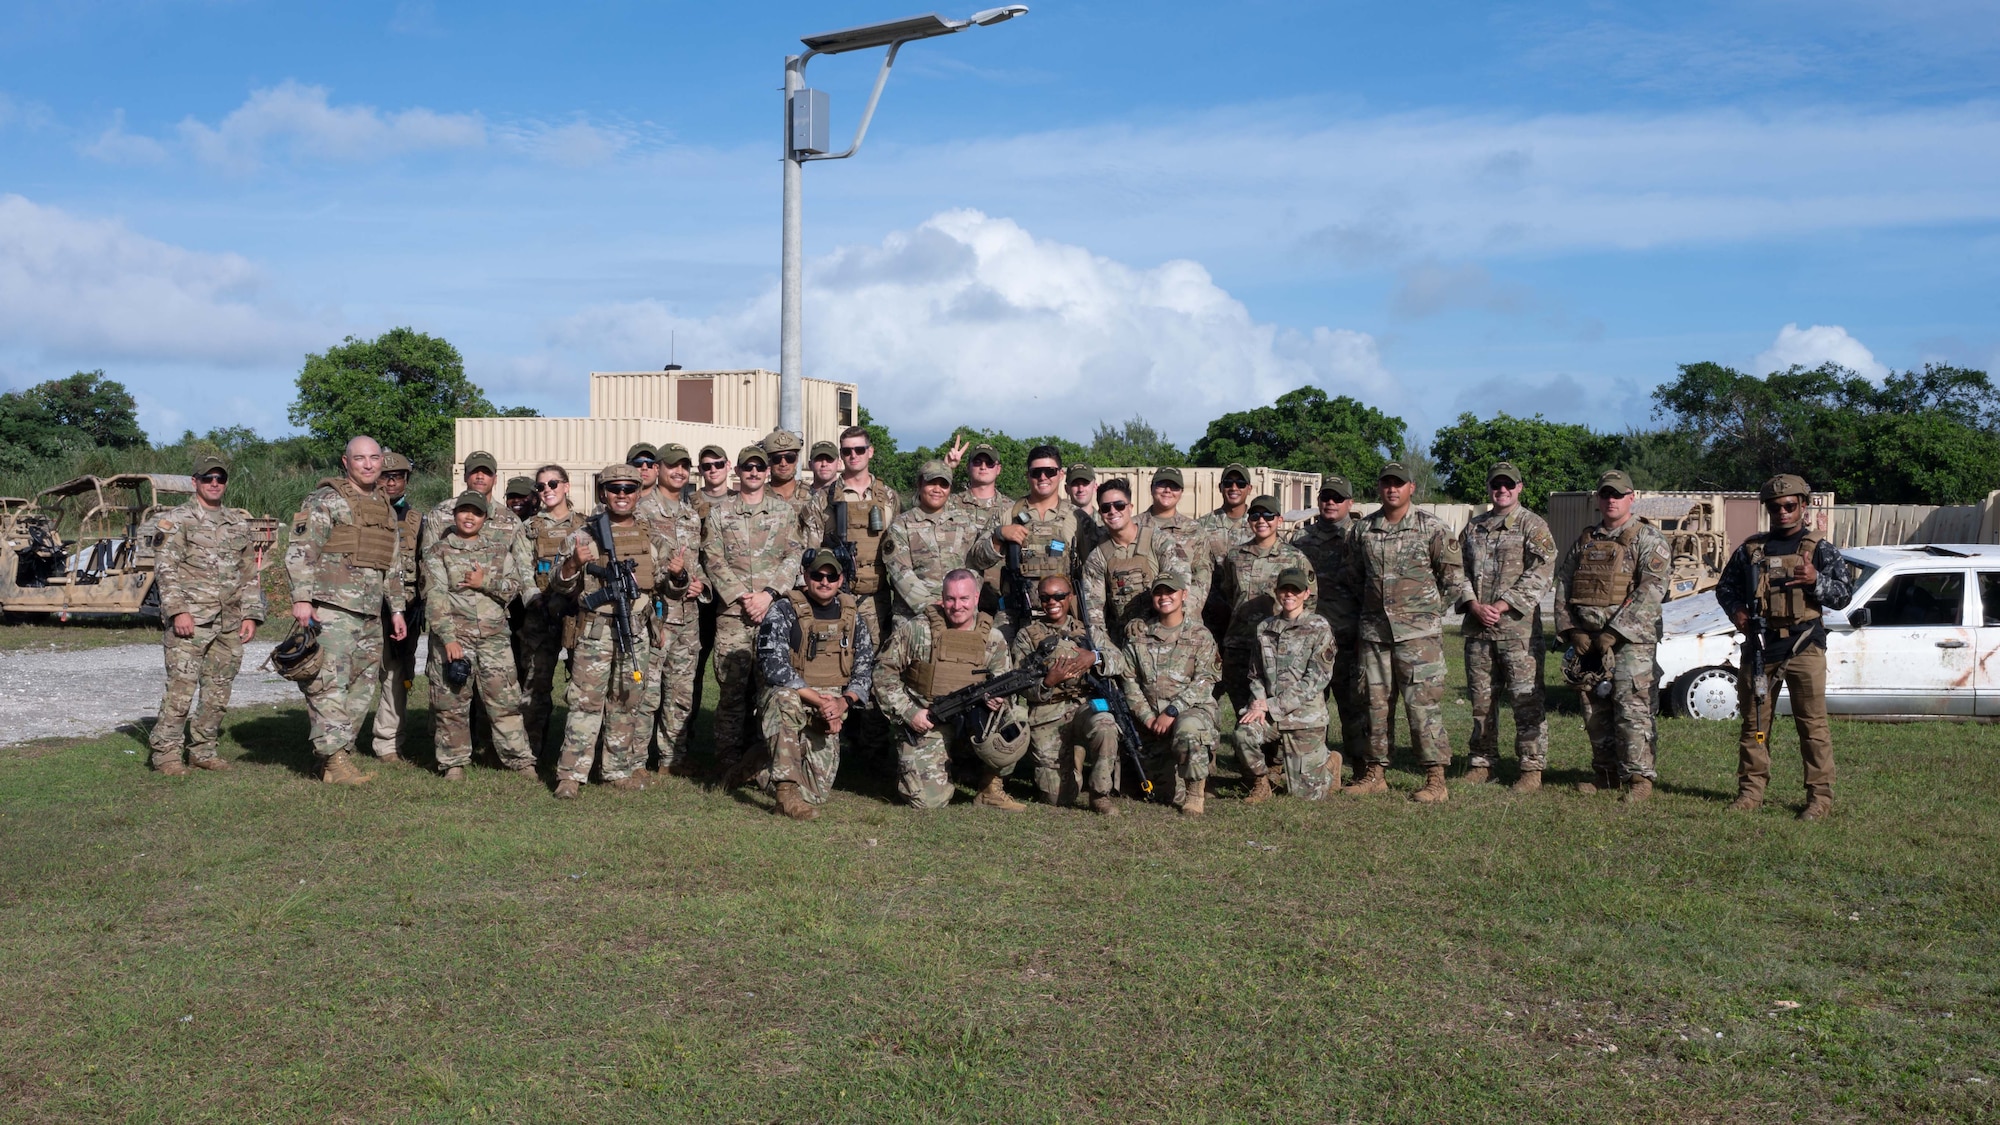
x=956, y=706
x=1112, y=697
x=617, y=589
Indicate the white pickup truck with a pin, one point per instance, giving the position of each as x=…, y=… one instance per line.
x=1920, y=638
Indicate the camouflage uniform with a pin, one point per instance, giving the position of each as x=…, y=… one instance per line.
x=675, y=619
x=871, y=584
x=205, y=565
x=745, y=548
x=1294, y=664
x=1625, y=572
x=1173, y=667
x=1508, y=558
x=1117, y=583
x=1073, y=745
x=1326, y=543
x=988, y=512
x=810, y=507
x=344, y=558
x=1246, y=587
x=1184, y=533
x=539, y=643
x=1053, y=536
x=914, y=669
x=502, y=525
x=1401, y=576
x=921, y=547
x=1220, y=532
x=798, y=648
x=477, y=620
x=1089, y=533
x=604, y=698
x=399, y=658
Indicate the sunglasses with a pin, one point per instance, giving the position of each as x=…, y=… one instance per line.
x=826, y=576
x=1263, y=517
x=1113, y=506
x=1048, y=599
x=713, y=466
x=622, y=488
x=1044, y=473
x=853, y=450
x=1774, y=505
x=1502, y=485
x=984, y=462
x=643, y=463
x=551, y=485
x=751, y=467
x=1236, y=484
x=785, y=458
x=222, y=478
x=1168, y=485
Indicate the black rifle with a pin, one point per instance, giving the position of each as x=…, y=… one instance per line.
x=1101, y=687
x=617, y=589
x=1017, y=594
x=956, y=706
x=842, y=549
x=1753, y=660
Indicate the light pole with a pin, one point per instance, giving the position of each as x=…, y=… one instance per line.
x=806, y=139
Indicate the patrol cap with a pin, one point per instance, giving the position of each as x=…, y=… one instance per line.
x=714, y=450
x=471, y=499
x=1784, y=484
x=780, y=441
x=1172, y=580
x=208, y=463
x=643, y=449
x=673, y=453
x=619, y=471
x=394, y=462
x=1294, y=577
x=983, y=449
x=1080, y=471
x=1338, y=486
x=480, y=459
x=753, y=453
x=821, y=559
x=828, y=449
x=520, y=486
x=1170, y=476
x=1235, y=469
x=1395, y=471
x=1503, y=470
x=1616, y=480
x=934, y=470
x=1267, y=503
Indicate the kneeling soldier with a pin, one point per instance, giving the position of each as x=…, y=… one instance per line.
x=816, y=656
x=1063, y=722
x=951, y=646
x=211, y=600
x=1171, y=671
x=1294, y=664
x=468, y=580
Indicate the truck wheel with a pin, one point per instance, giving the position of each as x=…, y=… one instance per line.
x=1707, y=693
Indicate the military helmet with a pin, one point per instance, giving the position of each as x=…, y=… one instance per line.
x=1585, y=671
x=1001, y=737
x=297, y=658
x=457, y=672
x=1784, y=484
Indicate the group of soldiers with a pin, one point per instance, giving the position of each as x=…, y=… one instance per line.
x=1083, y=628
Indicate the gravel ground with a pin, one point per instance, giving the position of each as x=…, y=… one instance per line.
x=95, y=691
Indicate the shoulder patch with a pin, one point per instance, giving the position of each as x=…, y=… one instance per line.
x=165, y=526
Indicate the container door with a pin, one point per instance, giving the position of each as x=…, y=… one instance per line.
x=1916, y=654
x=694, y=400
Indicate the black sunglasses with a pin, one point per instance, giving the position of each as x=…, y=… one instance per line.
x=221, y=478
x=1048, y=598
x=622, y=488
x=787, y=458
x=643, y=463
x=551, y=485
x=827, y=576
x=983, y=459
x=1113, y=506
x=1044, y=473
x=1263, y=516
x=853, y=450
x=1774, y=505
x=751, y=467
x=711, y=466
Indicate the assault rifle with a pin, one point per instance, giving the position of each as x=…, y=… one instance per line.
x=955, y=706
x=842, y=548
x=617, y=589
x=1017, y=594
x=1753, y=663
x=1102, y=688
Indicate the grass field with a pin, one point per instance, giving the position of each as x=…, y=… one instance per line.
x=253, y=946
x=79, y=634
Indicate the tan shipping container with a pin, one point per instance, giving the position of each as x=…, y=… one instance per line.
x=721, y=398
x=1740, y=514
x=580, y=445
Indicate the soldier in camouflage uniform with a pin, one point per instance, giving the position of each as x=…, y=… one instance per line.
x=645, y=457
x=1042, y=524
x=1164, y=519
x=782, y=447
x=540, y=641
x=610, y=693
x=750, y=555
x=1326, y=540
x=1081, y=484
x=399, y=658
x=205, y=569
x=345, y=566
x=714, y=489
x=1246, y=586
x=984, y=500
x=1064, y=727
x=928, y=541
x=469, y=580
x=481, y=474
x=816, y=657
x=1295, y=651
x=951, y=646
x=1510, y=557
x=1609, y=587
x=1171, y=672
x=1221, y=530
x=676, y=615
x=1117, y=577
x=1403, y=571
x=825, y=467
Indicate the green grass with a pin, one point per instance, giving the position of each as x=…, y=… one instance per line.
x=79, y=634
x=253, y=946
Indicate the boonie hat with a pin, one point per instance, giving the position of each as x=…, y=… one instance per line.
x=394, y=462
x=1169, y=475
x=1395, y=471
x=619, y=471
x=1784, y=484
x=471, y=499
x=781, y=441
x=1295, y=577
x=643, y=449
x=209, y=462
x=1338, y=486
x=934, y=470
x=1616, y=480
x=673, y=453
x=520, y=486
x=480, y=459
x=1503, y=470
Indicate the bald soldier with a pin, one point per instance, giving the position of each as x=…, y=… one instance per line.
x=345, y=566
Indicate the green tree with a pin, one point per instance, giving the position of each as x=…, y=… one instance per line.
x=1307, y=431
x=79, y=412
x=1013, y=453
x=1553, y=456
x=403, y=388
x=1136, y=443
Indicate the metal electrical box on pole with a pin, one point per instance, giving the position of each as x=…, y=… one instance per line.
x=810, y=119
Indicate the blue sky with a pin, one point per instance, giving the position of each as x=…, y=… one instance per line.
x=1092, y=212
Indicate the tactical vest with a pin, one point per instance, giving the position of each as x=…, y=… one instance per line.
x=548, y=545
x=1606, y=569
x=1047, y=550
x=631, y=541
x=1069, y=644
x=867, y=543
x=369, y=539
x=411, y=523
x=958, y=657
x=1130, y=578
x=1783, y=606
x=824, y=658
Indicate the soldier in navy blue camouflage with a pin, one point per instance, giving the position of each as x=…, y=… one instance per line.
x=816, y=656
x=1510, y=559
x=1287, y=712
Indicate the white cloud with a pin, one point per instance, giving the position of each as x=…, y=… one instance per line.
x=970, y=320
x=116, y=146
x=1429, y=288
x=92, y=290
x=302, y=119
x=1810, y=347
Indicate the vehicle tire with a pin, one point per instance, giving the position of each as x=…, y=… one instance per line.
x=1707, y=693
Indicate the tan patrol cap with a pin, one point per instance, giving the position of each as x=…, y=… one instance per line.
x=673, y=453
x=480, y=459
x=1337, y=485
x=1784, y=484
x=781, y=441
x=1169, y=475
x=471, y=499
x=825, y=449
x=208, y=463
x=934, y=470
x=1616, y=480
x=715, y=450
x=394, y=462
x=1237, y=469
x=752, y=453
x=1395, y=471
x=619, y=471
x=1503, y=470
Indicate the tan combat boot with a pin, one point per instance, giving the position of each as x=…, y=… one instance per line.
x=455, y=773
x=1102, y=806
x=175, y=768
x=566, y=790
x=1260, y=792
x=1817, y=807
x=1605, y=781
x=1196, y=801
x=1333, y=764
x=792, y=805
x=211, y=763
x=1369, y=781
x=630, y=783
x=1641, y=790
x=993, y=795
x=340, y=770
x=1746, y=801
x=1434, y=790
x=391, y=759
x=1528, y=782
x=526, y=772
x=1478, y=775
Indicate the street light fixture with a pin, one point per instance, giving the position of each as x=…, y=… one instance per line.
x=806, y=133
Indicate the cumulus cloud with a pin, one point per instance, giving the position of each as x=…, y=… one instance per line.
x=971, y=320
x=1429, y=288
x=301, y=120
x=1811, y=347
x=116, y=146
x=92, y=289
